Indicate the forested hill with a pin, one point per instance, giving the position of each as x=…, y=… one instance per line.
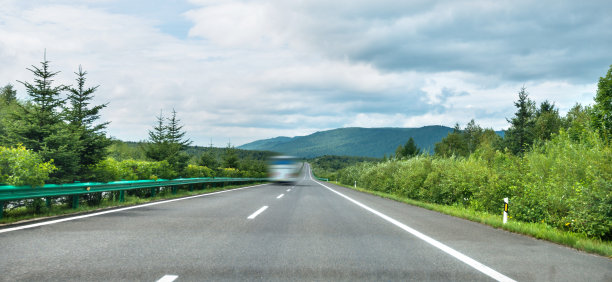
x=353, y=141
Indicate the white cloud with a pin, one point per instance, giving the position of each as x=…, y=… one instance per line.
x=253, y=70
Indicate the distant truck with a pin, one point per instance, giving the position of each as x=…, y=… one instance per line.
x=283, y=169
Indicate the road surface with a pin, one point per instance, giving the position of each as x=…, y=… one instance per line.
x=310, y=231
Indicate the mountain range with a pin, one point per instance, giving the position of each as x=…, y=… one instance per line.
x=352, y=141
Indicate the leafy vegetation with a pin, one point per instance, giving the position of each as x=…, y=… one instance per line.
x=556, y=170
x=20, y=166
x=62, y=131
x=55, y=137
x=326, y=166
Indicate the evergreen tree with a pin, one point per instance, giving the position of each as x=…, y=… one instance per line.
x=40, y=127
x=547, y=121
x=230, y=157
x=410, y=149
x=9, y=105
x=156, y=147
x=602, y=109
x=520, y=135
x=8, y=95
x=209, y=159
x=177, y=157
x=93, y=142
x=166, y=143
x=42, y=117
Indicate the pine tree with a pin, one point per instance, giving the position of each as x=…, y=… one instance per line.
x=175, y=133
x=520, y=135
x=156, y=147
x=176, y=144
x=40, y=127
x=547, y=121
x=8, y=94
x=166, y=143
x=41, y=118
x=81, y=118
x=410, y=149
x=230, y=158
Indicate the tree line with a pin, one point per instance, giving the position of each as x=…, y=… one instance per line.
x=556, y=170
x=63, y=131
x=56, y=136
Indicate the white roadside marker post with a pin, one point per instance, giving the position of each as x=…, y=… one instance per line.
x=505, y=210
x=355, y=183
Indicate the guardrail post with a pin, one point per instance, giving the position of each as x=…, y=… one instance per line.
x=122, y=196
x=1, y=208
x=153, y=192
x=75, y=201
x=174, y=190
x=190, y=187
x=48, y=201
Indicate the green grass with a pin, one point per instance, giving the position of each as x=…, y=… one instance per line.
x=26, y=214
x=536, y=230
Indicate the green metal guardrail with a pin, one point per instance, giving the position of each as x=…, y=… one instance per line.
x=9, y=193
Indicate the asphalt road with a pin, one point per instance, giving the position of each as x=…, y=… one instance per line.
x=314, y=231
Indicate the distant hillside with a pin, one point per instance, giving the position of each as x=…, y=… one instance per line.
x=353, y=141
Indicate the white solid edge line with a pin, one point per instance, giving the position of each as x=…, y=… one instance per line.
x=280, y=196
x=465, y=259
x=117, y=210
x=168, y=278
x=257, y=212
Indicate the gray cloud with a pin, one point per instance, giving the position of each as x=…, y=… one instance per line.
x=250, y=70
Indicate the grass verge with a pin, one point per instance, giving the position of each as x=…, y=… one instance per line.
x=23, y=214
x=536, y=230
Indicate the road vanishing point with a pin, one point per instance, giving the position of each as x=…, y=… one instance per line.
x=313, y=231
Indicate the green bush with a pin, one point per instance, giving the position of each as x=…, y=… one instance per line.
x=565, y=182
x=113, y=170
x=20, y=166
x=193, y=171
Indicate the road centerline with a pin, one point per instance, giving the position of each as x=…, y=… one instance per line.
x=255, y=214
x=454, y=253
x=280, y=196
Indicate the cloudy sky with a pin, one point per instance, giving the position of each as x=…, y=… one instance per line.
x=248, y=70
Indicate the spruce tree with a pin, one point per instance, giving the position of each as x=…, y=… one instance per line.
x=42, y=118
x=520, y=135
x=410, y=149
x=8, y=94
x=81, y=118
x=166, y=142
x=156, y=147
x=547, y=121
x=176, y=144
x=230, y=157
x=41, y=128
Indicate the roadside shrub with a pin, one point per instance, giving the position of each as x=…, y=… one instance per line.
x=193, y=171
x=565, y=182
x=113, y=170
x=20, y=166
